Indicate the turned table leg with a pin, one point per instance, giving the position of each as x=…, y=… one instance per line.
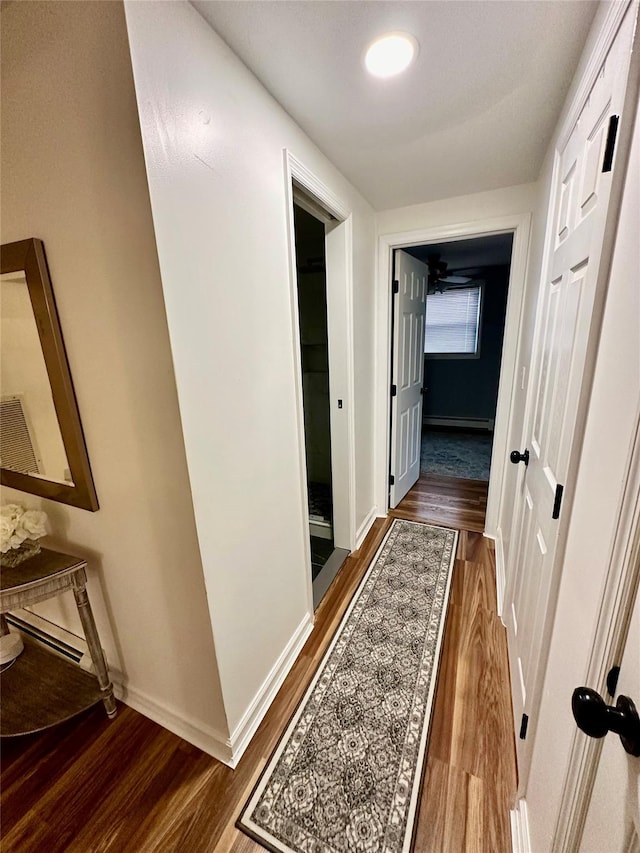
x=93, y=641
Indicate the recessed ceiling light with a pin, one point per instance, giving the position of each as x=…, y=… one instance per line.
x=390, y=54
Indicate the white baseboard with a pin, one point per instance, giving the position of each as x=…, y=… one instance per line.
x=228, y=750
x=365, y=527
x=206, y=738
x=252, y=717
x=501, y=573
x=501, y=577
x=520, y=841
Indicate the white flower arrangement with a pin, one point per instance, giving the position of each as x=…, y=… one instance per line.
x=18, y=524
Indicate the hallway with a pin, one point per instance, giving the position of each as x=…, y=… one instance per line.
x=147, y=789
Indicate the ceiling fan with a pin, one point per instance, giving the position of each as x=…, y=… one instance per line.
x=440, y=279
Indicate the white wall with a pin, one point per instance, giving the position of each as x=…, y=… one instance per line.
x=452, y=211
x=610, y=426
x=214, y=141
x=73, y=175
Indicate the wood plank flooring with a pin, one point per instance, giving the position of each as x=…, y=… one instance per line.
x=450, y=501
x=129, y=785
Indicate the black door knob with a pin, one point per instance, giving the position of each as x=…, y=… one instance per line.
x=595, y=718
x=516, y=457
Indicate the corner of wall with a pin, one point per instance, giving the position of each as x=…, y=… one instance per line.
x=251, y=719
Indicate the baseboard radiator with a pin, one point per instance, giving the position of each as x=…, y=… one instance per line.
x=461, y=423
x=55, y=638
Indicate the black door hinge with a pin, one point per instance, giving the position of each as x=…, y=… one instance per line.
x=396, y=286
x=610, y=147
x=557, y=502
x=392, y=480
x=394, y=390
x=523, y=727
x=612, y=680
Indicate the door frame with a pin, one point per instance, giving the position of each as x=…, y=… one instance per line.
x=619, y=595
x=610, y=28
x=520, y=226
x=339, y=272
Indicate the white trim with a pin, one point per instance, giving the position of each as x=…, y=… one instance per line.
x=365, y=527
x=295, y=169
x=500, y=569
x=297, y=363
x=520, y=840
x=620, y=590
x=520, y=225
x=252, y=717
x=206, y=738
x=346, y=364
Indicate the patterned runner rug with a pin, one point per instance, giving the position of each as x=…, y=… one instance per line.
x=346, y=774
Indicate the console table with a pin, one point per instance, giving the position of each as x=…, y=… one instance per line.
x=41, y=688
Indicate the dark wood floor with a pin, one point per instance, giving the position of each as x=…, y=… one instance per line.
x=129, y=785
x=450, y=501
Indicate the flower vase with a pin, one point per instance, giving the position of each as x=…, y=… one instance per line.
x=11, y=645
x=15, y=556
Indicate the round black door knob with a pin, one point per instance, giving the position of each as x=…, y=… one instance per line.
x=516, y=457
x=595, y=718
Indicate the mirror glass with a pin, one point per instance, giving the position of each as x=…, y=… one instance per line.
x=42, y=446
x=31, y=440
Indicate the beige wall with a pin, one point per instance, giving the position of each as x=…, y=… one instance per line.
x=73, y=175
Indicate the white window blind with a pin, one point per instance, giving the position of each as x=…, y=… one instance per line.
x=452, y=321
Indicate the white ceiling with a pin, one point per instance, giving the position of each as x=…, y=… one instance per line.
x=474, y=112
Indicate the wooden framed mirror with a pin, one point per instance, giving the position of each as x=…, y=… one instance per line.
x=42, y=447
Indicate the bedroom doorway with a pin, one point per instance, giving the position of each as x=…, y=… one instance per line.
x=512, y=377
x=466, y=309
x=448, y=319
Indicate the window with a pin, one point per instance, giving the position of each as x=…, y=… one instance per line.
x=452, y=325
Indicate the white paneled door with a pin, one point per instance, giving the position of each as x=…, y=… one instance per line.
x=412, y=277
x=565, y=336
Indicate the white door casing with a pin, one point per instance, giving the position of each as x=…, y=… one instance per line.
x=564, y=337
x=339, y=263
x=412, y=276
x=613, y=817
x=520, y=226
x=338, y=248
